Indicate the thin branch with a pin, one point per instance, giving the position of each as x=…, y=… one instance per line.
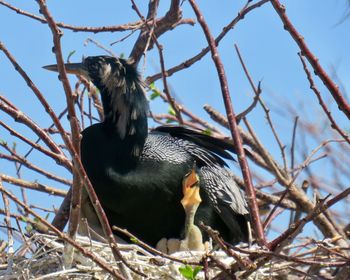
x=254, y=209
x=292, y=147
x=161, y=57
x=20, y=117
x=172, y=18
x=186, y=64
x=61, y=160
x=19, y=159
x=113, y=28
x=32, y=185
x=266, y=110
x=256, y=98
x=90, y=40
x=319, y=71
x=151, y=249
x=321, y=102
x=8, y=223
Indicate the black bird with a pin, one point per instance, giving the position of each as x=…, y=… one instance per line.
x=138, y=175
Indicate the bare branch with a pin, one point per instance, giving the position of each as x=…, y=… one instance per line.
x=299, y=39
x=233, y=127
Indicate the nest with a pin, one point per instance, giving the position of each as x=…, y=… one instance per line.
x=43, y=257
x=46, y=261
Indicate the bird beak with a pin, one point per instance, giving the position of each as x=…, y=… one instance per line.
x=71, y=68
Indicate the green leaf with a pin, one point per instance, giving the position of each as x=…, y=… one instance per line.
x=170, y=121
x=196, y=270
x=171, y=111
x=122, y=55
x=154, y=91
x=154, y=95
x=187, y=272
x=29, y=228
x=47, y=216
x=70, y=55
x=152, y=86
x=134, y=240
x=207, y=131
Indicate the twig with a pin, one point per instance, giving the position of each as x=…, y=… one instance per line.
x=80, y=102
x=292, y=147
x=242, y=263
x=271, y=214
x=162, y=25
x=42, y=208
x=319, y=71
x=123, y=38
x=110, y=52
x=243, y=114
x=19, y=159
x=194, y=119
x=146, y=35
x=61, y=160
x=216, y=116
x=266, y=110
x=32, y=185
x=8, y=223
x=112, y=28
x=161, y=57
x=186, y=64
x=151, y=249
x=308, y=159
x=62, y=215
x=20, y=117
x=321, y=102
x=47, y=130
x=254, y=210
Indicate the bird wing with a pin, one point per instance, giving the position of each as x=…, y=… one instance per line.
x=227, y=199
x=218, y=182
x=207, y=148
x=223, y=190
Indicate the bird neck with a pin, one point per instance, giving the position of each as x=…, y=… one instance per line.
x=126, y=118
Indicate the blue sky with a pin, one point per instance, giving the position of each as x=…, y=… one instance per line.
x=268, y=50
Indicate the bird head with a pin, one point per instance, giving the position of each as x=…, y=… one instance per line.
x=123, y=97
x=103, y=71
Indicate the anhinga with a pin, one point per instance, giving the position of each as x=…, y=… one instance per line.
x=138, y=175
